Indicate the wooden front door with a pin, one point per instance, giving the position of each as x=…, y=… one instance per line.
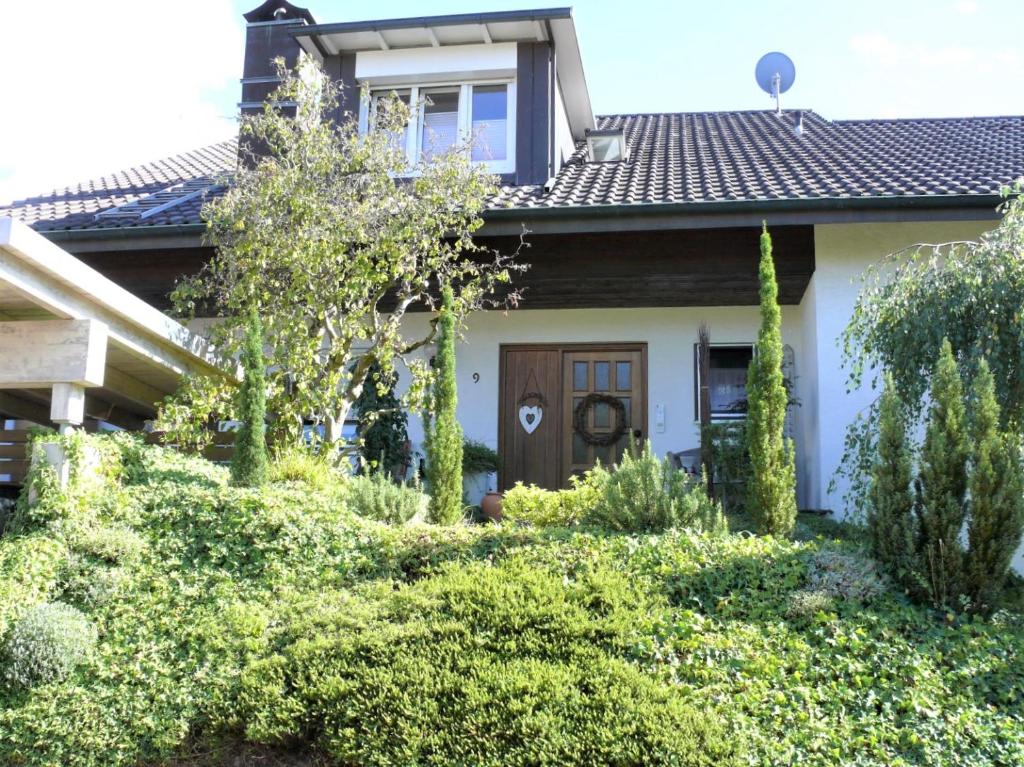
x=542, y=385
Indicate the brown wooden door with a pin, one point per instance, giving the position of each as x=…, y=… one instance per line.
x=617, y=373
x=542, y=385
x=530, y=425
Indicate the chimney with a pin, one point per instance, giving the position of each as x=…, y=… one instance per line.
x=798, y=122
x=267, y=38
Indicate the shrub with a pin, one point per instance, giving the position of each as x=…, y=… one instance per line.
x=482, y=665
x=553, y=508
x=29, y=569
x=997, y=507
x=942, y=485
x=301, y=463
x=844, y=576
x=809, y=604
x=647, y=494
x=383, y=423
x=890, y=517
x=771, y=487
x=444, y=442
x=477, y=458
x=375, y=496
x=46, y=644
x=249, y=461
x=731, y=460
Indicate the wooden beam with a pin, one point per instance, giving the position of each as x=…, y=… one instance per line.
x=38, y=353
x=133, y=389
x=19, y=407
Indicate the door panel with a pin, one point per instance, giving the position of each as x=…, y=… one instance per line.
x=529, y=449
x=614, y=372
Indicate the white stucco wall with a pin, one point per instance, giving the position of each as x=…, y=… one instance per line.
x=842, y=253
x=670, y=334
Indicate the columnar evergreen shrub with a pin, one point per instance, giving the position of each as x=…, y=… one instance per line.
x=996, y=502
x=890, y=514
x=648, y=494
x=444, y=443
x=771, y=490
x=942, y=485
x=249, y=462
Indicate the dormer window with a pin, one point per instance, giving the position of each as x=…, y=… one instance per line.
x=479, y=115
x=607, y=145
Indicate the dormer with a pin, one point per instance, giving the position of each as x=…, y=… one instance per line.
x=512, y=80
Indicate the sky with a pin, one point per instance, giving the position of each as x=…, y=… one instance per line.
x=91, y=88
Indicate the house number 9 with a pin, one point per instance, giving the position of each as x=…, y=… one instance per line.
x=476, y=378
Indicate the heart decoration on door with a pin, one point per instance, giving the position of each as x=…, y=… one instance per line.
x=531, y=405
x=529, y=417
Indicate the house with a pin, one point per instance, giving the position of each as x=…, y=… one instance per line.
x=642, y=226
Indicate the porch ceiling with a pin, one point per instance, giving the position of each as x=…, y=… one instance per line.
x=146, y=353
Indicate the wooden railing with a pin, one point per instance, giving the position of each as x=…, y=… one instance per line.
x=13, y=456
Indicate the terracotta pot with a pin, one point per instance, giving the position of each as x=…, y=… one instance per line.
x=490, y=506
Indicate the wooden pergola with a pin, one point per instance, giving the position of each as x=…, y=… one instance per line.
x=76, y=347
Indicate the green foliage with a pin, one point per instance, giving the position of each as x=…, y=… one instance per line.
x=376, y=496
x=46, y=644
x=334, y=237
x=536, y=506
x=382, y=422
x=771, y=487
x=444, y=442
x=727, y=443
x=942, y=486
x=488, y=665
x=968, y=293
x=308, y=464
x=890, y=518
x=277, y=616
x=249, y=461
x=477, y=458
x=647, y=494
x=997, y=498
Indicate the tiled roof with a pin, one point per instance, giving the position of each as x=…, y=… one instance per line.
x=757, y=156
x=157, y=193
x=674, y=158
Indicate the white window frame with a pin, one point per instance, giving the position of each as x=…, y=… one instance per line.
x=718, y=417
x=413, y=147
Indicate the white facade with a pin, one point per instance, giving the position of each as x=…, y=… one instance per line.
x=812, y=329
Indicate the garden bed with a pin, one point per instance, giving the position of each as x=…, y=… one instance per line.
x=275, y=626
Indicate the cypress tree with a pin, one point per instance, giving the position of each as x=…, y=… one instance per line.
x=942, y=485
x=890, y=513
x=444, y=443
x=249, y=462
x=996, y=510
x=771, y=489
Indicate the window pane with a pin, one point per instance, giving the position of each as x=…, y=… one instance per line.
x=602, y=375
x=623, y=376
x=490, y=122
x=602, y=415
x=398, y=139
x=579, y=376
x=625, y=405
x=605, y=454
x=728, y=384
x=440, y=129
x=579, y=449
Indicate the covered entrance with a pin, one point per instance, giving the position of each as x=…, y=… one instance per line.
x=566, y=406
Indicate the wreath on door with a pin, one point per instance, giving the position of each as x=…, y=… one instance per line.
x=579, y=420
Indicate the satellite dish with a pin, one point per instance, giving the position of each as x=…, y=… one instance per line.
x=775, y=73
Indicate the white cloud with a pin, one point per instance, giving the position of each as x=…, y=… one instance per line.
x=108, y=85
